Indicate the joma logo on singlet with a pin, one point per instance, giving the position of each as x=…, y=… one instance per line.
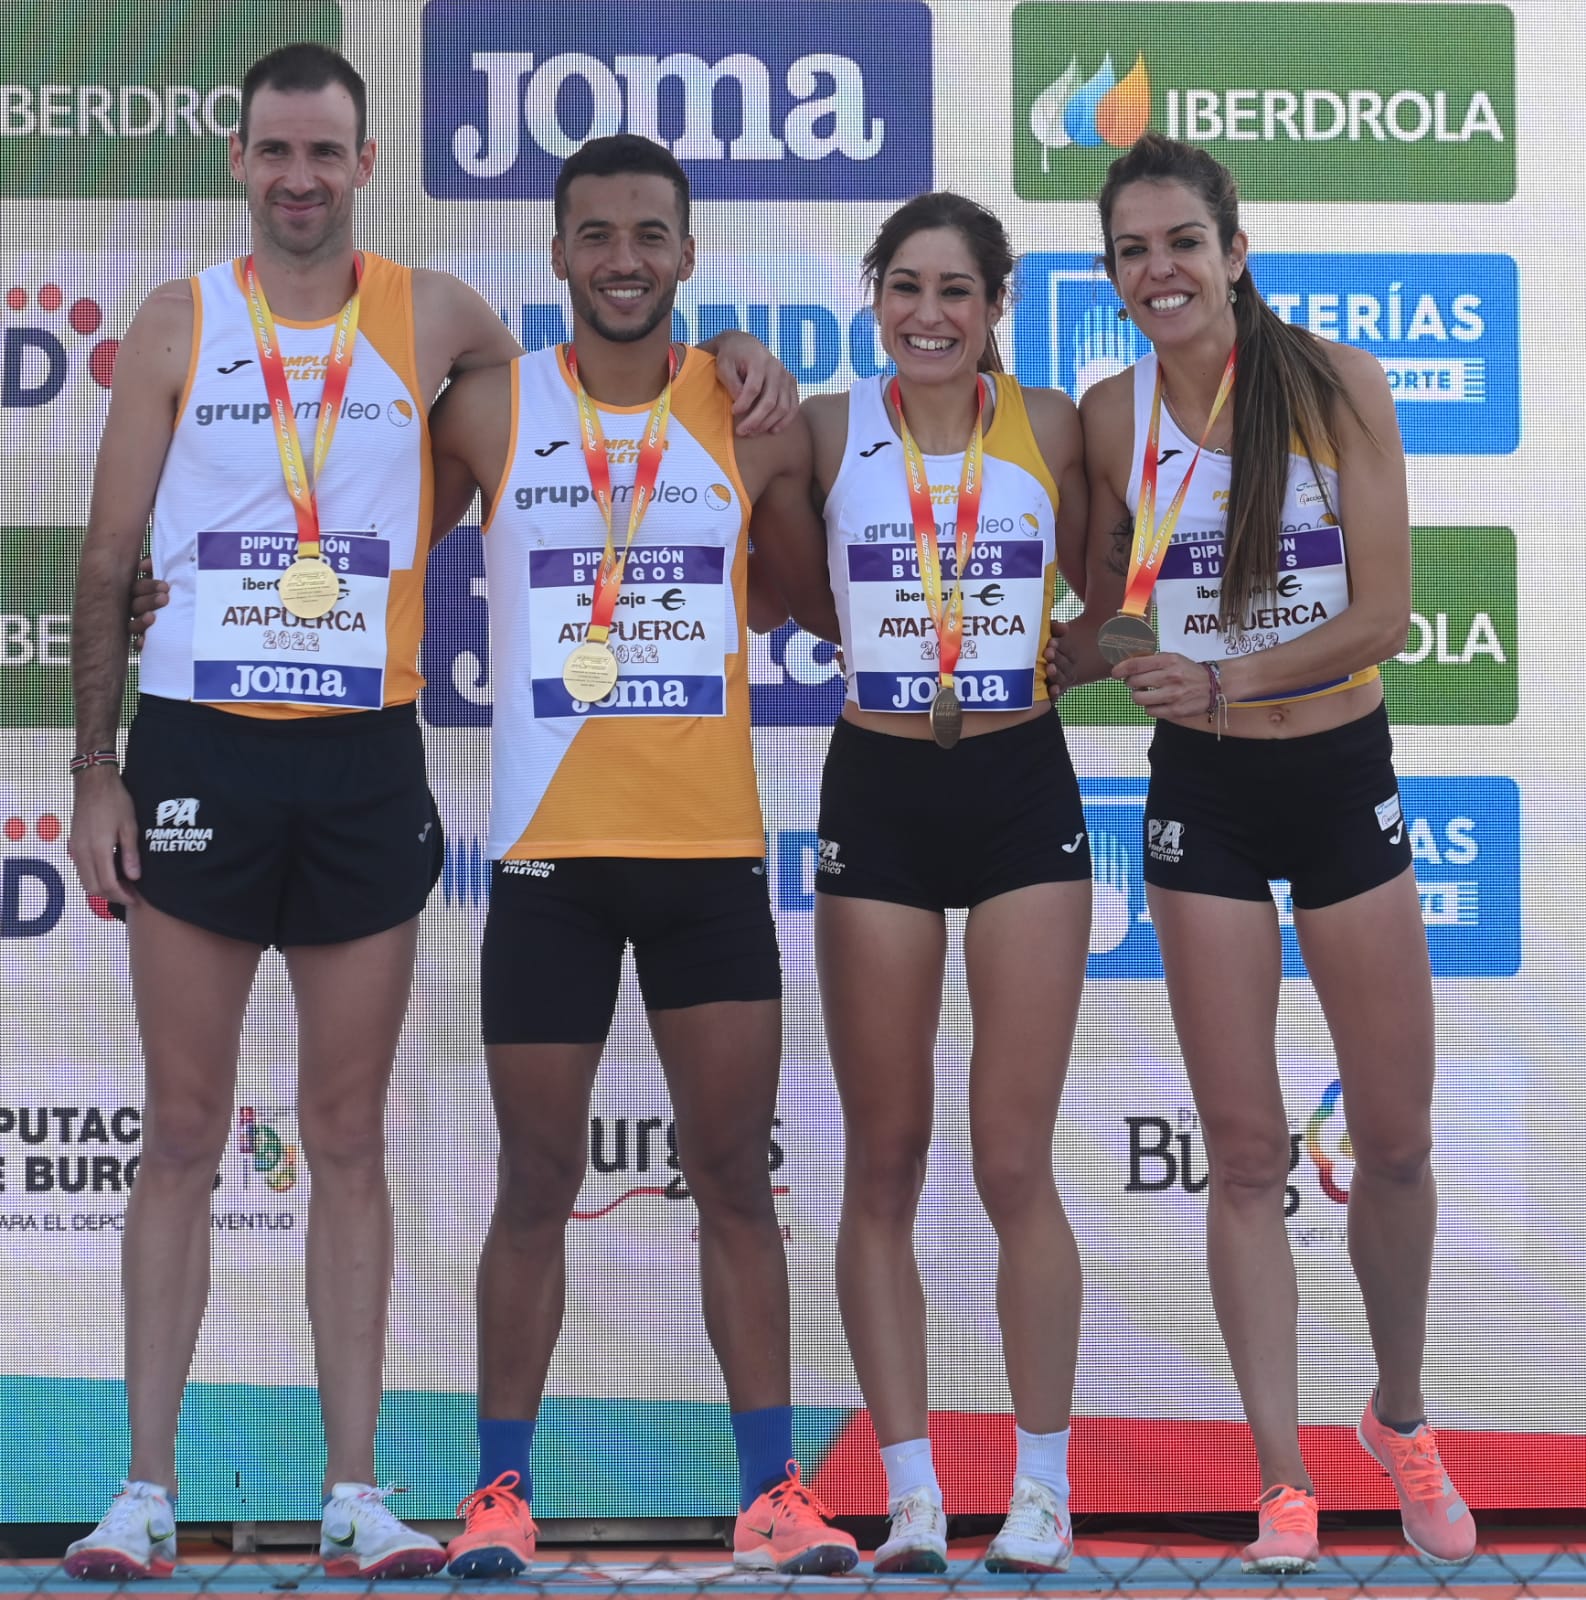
x=641, y=694
x=288, y=683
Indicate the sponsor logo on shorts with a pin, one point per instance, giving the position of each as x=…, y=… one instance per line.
x=827, y=860
x=527, y=869
x=176, y=828
x=834, y=102
x=1165, y=840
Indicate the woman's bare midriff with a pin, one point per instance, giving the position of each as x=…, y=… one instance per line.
x=1291, y=719
x=917, y=724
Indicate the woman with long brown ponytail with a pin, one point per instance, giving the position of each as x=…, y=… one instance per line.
x=1248, y=481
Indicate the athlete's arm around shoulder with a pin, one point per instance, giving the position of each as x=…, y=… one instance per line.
x=1054, y=420
x=788, y=538
x=151, y=371
x=455, y=330
x=470, y=443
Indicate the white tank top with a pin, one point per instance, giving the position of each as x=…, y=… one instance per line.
x=1313, y=560
x=889, y=641
x=224, y=526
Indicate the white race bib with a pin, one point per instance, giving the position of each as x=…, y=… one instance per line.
x=669, y=633
x=248, y=647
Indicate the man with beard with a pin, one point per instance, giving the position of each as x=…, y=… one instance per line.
x=624, y=808
x=270, y=415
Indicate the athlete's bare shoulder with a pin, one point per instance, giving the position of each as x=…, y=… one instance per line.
x=157, y=348
x=455, y=329
x=1107, y=411
x=827, y=416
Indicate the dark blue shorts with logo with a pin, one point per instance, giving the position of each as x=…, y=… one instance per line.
x=551, y=961
x=1226, y=816
x=289, y=831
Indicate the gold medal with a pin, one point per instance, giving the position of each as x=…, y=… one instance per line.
x=947, y=717
x=1125, y=635
x=590, y=672
x=309, y=588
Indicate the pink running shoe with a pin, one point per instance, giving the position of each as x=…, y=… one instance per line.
x=1286, y=1538
x=1437, y=1522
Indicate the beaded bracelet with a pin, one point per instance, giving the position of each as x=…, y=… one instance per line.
x=92, y=758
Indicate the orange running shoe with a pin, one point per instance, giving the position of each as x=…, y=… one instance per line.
x=787, y=1530
x=498, y=1534
x=1437, y=1522
x=1286, y=1538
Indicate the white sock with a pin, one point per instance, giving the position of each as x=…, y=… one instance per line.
x=909, y=1467
x=1044, y=1457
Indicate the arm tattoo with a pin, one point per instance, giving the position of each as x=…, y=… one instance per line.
x=1122, y=537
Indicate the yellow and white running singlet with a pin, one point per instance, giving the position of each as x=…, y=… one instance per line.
x=224, y=527
x=1313, y=558
x=663, y=767
x=888, y=637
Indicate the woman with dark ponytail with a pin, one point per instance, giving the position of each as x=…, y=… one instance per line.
x=1248, y=481
x=948, y=784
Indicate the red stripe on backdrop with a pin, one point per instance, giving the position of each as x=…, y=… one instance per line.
x=1119, y=1464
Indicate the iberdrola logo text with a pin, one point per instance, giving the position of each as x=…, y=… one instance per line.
x=1355, y=102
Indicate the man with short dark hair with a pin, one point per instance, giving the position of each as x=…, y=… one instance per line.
x=275, y=792
x=624, y=809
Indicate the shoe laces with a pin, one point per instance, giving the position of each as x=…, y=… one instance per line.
x=130, y=1510
x=918, y=1505
x=1287, y=1510
x=490, y=1497
x=1419, y=1464
x=1033, y=1512
x=794, y=1495
x=369, y=1502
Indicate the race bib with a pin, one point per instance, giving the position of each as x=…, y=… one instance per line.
x=1312, y=585
x=892, y=646
x=248, y=647
x=669, y=633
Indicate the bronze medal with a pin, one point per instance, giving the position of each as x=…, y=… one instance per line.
x=309, y=588
x=590, y=672
x=1125, y=635
x=947, y=717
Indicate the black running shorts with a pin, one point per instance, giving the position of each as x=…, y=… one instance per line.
x=1225, y=816
x=551, y=961
x=291, y=831
x=905, y=821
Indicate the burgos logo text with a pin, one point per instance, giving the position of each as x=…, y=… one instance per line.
x=1385, y=102
x=831, y=102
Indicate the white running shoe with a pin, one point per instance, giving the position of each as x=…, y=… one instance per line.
x=1036, y=1537
x=917, y=1540
x=360, y=1537
x=136, y=1537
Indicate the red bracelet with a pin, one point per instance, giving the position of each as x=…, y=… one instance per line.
x=1214, y=684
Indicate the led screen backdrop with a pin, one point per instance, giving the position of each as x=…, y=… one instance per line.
x=1405, y=192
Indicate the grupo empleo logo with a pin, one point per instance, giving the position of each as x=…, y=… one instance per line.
x=33, y=874
x=635, y=1159
x=1349, y=102
x=833, y=102
x=265, y=1156
x=52, y=329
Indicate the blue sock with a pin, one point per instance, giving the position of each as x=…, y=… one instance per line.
x=506, y=1444
x=765, y=1446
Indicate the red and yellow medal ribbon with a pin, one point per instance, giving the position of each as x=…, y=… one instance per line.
x=948, y=617
x=299, y=484
x=652, y=447
x=1151, y=538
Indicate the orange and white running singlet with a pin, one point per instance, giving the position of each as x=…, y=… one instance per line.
x=662, y=767
x=224, y=527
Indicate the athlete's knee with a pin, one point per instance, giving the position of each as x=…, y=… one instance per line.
x=184, y=1137
x=1013, y=1177
x=731, y=1188
x=537, y=1189
x=885, y=1176
x=1400, y=1155
x=343, y=1131
x=1250, y=1163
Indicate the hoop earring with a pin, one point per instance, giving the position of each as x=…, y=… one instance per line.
x=1233, y=295
x=1123, y=313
